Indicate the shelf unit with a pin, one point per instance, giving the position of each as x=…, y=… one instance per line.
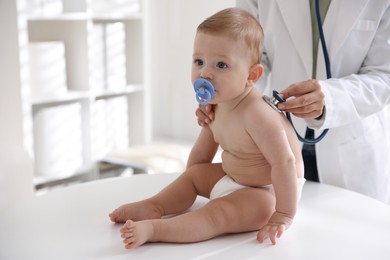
x=87, y=91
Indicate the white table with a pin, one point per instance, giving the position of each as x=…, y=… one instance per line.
x=72, y=223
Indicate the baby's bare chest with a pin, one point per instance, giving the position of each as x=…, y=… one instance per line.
x=230, y=132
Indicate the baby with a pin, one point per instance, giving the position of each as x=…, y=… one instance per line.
x=258, y=184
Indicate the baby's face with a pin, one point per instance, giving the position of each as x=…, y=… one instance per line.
x=224, y=62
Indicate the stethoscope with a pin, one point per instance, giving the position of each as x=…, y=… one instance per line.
x=276, y=98
x=204, y=90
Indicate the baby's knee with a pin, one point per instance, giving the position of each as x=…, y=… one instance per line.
x=222, y=213
x=198, y=168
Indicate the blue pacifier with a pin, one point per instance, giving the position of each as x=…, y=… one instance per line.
x=204, y=91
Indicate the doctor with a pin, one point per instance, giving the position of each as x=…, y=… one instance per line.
x=352, y=104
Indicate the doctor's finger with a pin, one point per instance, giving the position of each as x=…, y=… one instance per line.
x=301, y=88
x=307, y=112
x=303, y=101
x=301, y=104
x=311, y=115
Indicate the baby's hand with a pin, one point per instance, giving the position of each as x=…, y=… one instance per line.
x=278, y=223
x=205, y=114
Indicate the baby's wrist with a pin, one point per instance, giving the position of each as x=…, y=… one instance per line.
x=284, y=214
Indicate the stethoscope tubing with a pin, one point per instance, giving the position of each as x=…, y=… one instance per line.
x=328, y=75
x=322, y=39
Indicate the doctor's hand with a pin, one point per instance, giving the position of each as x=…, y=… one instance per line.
x=277, y=224
x=205, y=114
x=309, y=99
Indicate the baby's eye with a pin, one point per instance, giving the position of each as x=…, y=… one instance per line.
x=198, y=62
x=222, y=65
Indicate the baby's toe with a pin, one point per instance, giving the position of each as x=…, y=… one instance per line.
x=127, y=234
x=129, y=240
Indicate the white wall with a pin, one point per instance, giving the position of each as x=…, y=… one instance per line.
x=10, y=98
x=171, y=27
x=15, y=164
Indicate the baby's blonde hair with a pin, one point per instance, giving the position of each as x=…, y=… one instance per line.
x=237, y=24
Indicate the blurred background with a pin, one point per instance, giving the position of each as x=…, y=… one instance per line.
x=96, y=88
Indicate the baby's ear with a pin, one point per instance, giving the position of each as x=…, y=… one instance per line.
x=254, y=74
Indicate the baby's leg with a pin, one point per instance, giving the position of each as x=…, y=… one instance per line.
x=244, y=210
x=175, y=198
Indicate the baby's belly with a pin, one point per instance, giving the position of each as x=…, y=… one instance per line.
x=247, y=169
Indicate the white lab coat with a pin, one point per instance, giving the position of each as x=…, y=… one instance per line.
x=355, y=152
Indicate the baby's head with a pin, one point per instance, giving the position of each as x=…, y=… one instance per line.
x=236, y=24
x=227, y=52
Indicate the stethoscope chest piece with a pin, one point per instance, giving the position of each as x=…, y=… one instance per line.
x=204, y=91
x=274, y=100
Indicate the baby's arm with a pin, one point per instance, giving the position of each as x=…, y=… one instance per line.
x=269, y=134
x=286, y=200
x=204, y=148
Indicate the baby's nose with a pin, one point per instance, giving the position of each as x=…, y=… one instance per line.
x=206, y=74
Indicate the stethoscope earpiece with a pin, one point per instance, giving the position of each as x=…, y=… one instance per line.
x=204, y=91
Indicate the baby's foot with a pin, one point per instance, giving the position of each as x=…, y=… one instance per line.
x=135, y=211
x=135, y=234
